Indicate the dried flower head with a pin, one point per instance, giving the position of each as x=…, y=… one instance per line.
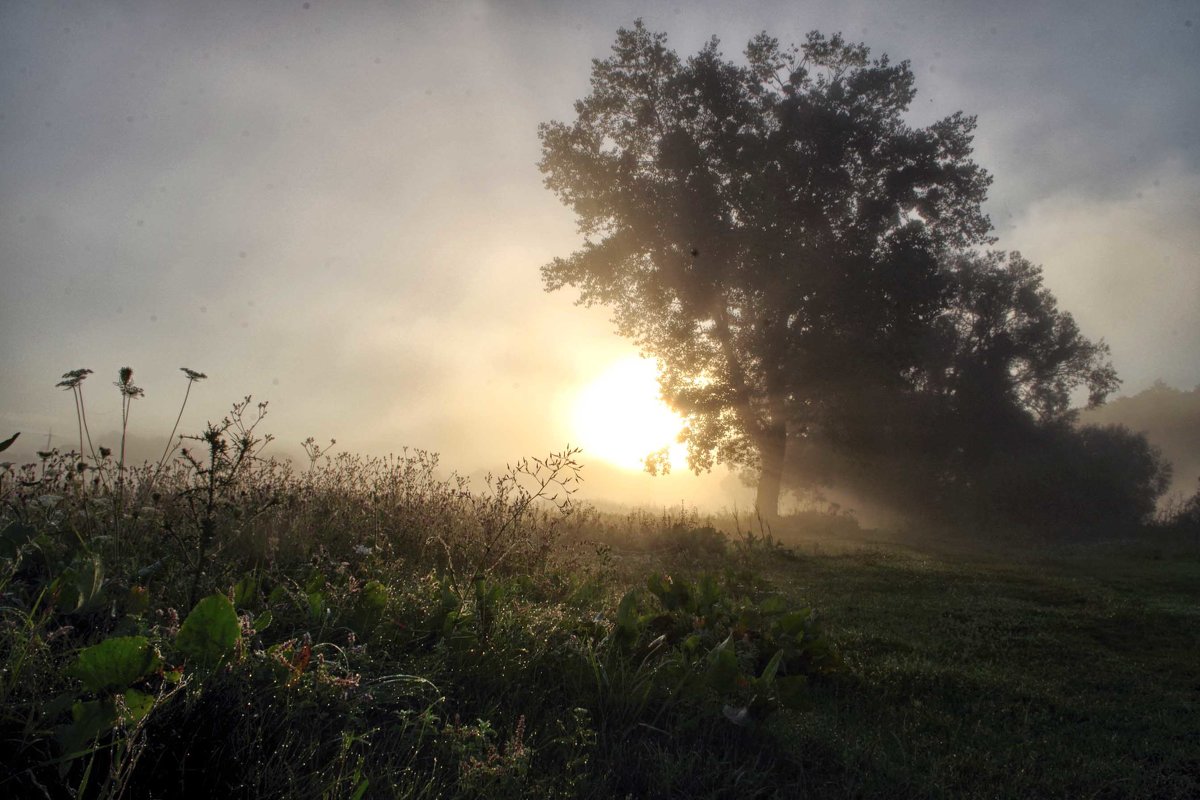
x=125, y=383
x=193, y=375
x=73, y=378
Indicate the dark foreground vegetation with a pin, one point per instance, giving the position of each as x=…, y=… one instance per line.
x=224, y=625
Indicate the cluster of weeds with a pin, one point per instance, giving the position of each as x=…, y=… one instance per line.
x=221, y=623
x=676, y=531
x=713, y=643
x=682, y=532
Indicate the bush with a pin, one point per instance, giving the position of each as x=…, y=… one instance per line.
x=1098, y=478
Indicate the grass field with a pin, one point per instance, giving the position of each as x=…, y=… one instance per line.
x=368, y=629
x=1067, y=676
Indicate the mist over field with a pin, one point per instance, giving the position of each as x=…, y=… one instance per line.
x=532, y=400
x=340, y=212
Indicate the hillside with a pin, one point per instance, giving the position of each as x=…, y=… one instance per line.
x=1170, y=418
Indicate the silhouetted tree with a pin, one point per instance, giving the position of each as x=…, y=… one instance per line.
x=990, y=403
x=773, y=232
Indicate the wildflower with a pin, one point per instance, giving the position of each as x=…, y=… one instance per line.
x=193, y=375
x=125, y=383
x=73, y=378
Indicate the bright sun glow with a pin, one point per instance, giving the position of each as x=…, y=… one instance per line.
x=620, y=418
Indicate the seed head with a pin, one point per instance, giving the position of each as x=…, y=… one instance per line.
x=73, y=378
x=193, y=375
x=125, y=383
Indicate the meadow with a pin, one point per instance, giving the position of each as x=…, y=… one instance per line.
x=223, y=624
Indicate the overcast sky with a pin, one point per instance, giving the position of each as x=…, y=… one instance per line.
x=336, y=207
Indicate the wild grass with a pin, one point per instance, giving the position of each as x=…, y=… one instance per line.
x=220, y=623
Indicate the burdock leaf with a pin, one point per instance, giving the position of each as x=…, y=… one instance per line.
x=115, y=663
x=211, y=630
x=723, y=666
x=137, y=706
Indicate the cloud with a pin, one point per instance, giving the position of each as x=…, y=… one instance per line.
x=1128, y=268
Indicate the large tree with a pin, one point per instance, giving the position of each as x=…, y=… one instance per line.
x=993, y=395
x=772, y=231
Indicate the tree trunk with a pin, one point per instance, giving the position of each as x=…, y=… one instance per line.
x=772, y=444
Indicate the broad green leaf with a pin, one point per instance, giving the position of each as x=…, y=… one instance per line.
x=316, y=606
x=723, y=667
x=211, y=630
x=137, y=705
x=115, y=663
x=80, y=584
x=368, y=608
x=486, y=595
x=263, y=621
x=768, y=673
x=245, y=592
x=708, y=593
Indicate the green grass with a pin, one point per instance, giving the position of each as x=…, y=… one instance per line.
x=981, y=677
x=370, y=629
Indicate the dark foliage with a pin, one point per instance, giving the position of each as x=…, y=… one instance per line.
x=1170, y=418
x=800, y=260
x=773, y=232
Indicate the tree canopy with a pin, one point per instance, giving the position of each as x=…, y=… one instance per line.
x=802, y=261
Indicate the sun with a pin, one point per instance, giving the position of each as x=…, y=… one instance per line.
x=620, y=418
